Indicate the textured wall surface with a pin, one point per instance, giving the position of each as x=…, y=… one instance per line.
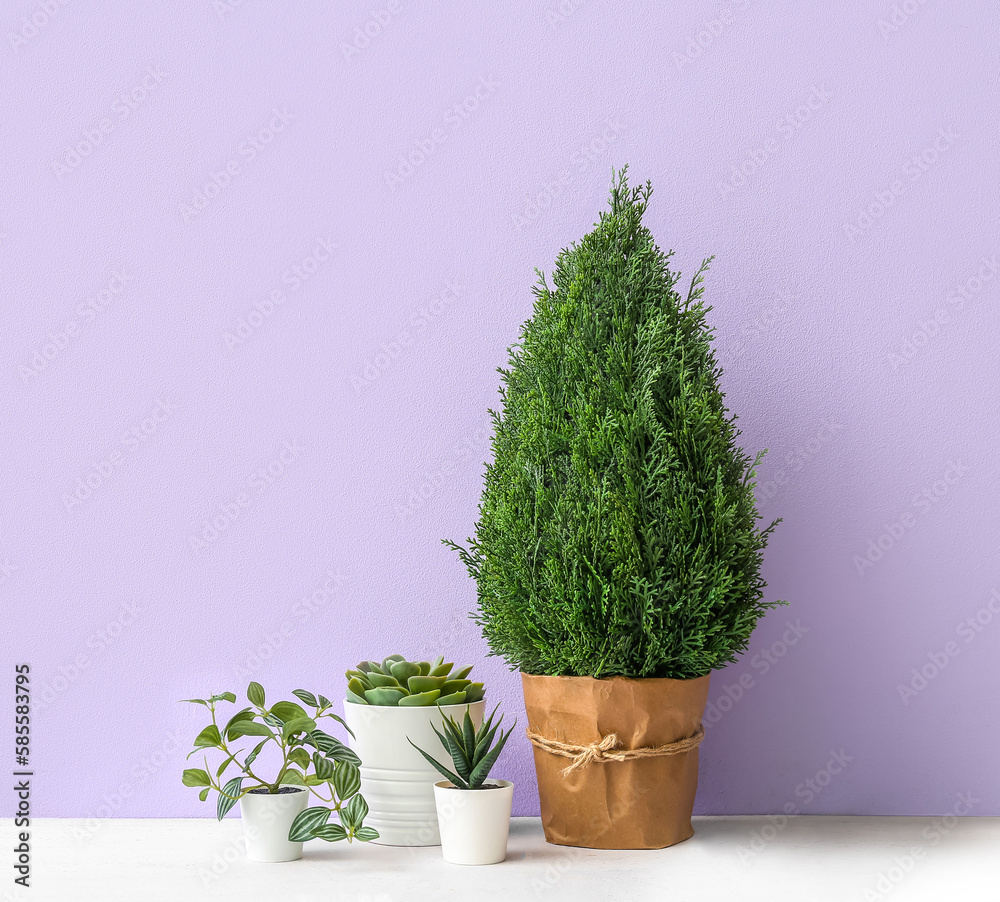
x=260, y=261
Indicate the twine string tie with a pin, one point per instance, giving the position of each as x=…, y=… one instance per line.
x=606, y=749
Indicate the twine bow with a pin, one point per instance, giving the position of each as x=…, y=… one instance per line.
x=606, y=749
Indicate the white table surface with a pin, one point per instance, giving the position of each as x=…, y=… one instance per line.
x=730, y=858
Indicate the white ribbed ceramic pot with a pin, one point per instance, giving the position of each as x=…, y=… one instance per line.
x=474, y=822
x=396, y=781
x=267, y=819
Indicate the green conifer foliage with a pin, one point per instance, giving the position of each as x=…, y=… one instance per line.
x=618, y=532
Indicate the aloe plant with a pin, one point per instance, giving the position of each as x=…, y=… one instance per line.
x=472, y=752
x=396, y=682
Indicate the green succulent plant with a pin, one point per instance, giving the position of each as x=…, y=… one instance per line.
x=472, y=752
x=396, y=682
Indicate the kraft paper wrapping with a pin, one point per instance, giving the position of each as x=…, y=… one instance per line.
x=637, y=804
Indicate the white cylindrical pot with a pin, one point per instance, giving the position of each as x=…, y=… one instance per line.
x=396, y=781
x=267, y=818
x=474, y=822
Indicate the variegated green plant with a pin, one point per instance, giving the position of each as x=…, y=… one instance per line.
x=398, y=682
x=472, y=752
x=310, y=758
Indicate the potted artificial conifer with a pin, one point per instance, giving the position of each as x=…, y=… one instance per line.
x=617, y=552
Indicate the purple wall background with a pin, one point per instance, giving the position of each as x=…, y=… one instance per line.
x=838, y=158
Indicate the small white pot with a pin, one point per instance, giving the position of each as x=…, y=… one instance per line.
x=474, y=822
x=267, y=819
x=396, y=781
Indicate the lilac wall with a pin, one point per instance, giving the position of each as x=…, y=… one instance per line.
x=228, y=295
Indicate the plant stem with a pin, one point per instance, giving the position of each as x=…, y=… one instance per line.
x=225, y=748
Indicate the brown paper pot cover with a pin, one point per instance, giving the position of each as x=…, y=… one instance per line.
x=638, y=804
